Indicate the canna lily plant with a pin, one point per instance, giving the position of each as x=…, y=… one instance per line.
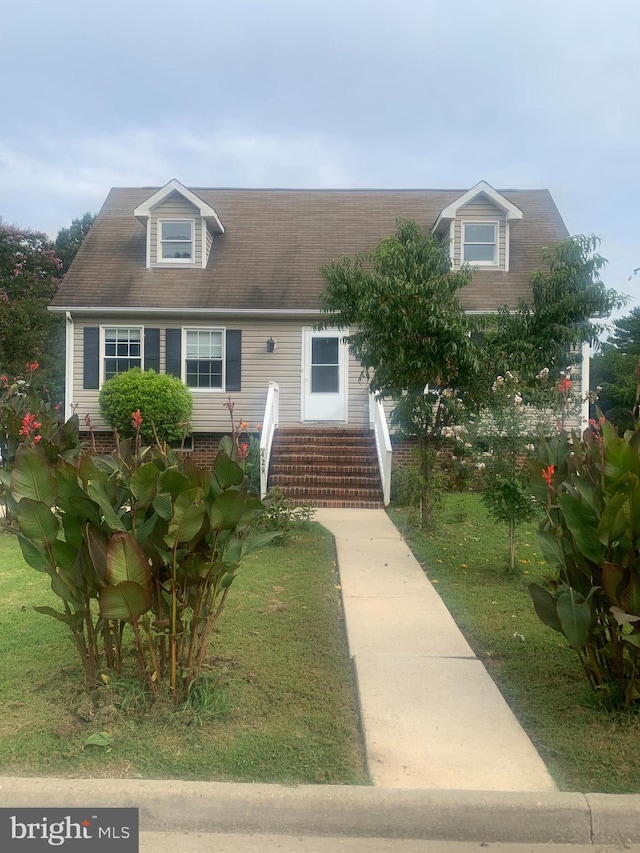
x=590, y=489
x=140, y=547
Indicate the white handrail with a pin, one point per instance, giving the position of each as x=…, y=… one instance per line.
x=269, y=426
x=378, y=423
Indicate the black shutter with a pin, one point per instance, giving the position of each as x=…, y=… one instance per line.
x=152, y=349
x=91, y=376
x=233, y=367
x=174, y=352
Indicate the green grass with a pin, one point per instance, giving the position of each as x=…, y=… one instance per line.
x=278, y=705
x=585, y=746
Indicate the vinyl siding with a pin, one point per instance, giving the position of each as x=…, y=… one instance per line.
x=284, y=366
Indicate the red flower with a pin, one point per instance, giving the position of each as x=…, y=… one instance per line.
x=29, y=425
x=136, y=420
x=244, y=450
x=547, y=474
x=32, y=366
x=564, y=386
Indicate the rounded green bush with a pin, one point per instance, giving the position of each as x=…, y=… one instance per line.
x=164, y=402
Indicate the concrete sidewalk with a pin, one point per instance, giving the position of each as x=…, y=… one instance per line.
x=432, y=717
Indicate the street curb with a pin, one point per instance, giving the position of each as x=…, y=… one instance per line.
x=336, y=810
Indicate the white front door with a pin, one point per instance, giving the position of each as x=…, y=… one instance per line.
x=324, y=376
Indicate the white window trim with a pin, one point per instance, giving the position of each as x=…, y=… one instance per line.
x=496, y=244
x=103, y=354
x=223, y=331
x=172, y=261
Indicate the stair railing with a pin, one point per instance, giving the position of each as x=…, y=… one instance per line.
x=378, y=423
x=269, y=426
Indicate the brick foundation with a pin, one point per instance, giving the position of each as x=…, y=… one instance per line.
x=205, y=446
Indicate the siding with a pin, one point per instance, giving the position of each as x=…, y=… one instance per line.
x=284, y=366
x=179, y=208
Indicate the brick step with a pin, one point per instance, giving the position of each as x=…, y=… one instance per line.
x=326, y=467
x=302, y=493
x=314, y=480
x=305, y=467
x=328, y=440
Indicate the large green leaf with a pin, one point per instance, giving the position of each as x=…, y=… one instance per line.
x=144, y=483
x=33, y=477
x=37, y=558
x=620, y=459
x=65, y=555
x=550, y=548
x=613, y=524
x=575, y=618
x=126, y=561
x=226, y=473
x=227, y=510
x=172, y=481
x=98, y=493
x=127, y=600
x=64, y=587
x=37, y=523
x=582, y=521
x=70, y=619
x=545, y=606
x=188, y=514
x=98, y=545
x=162, y=506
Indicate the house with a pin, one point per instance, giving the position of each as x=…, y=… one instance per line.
x=222, y=288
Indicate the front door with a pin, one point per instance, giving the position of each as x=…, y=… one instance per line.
x=324, y=376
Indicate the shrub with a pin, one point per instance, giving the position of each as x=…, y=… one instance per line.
x=590, y=489
x=164, y=402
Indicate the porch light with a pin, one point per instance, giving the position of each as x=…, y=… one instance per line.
x=271, y=345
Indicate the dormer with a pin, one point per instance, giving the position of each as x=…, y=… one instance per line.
x=477, y=225
x=180, y=228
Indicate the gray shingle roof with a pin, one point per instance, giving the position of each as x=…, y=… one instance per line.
x=274, y=244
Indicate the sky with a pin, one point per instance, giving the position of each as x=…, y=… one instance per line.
x=332, y=94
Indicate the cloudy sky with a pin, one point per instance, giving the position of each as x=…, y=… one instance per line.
x=325, y=93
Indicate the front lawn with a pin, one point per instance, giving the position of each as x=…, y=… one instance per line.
x=585, y=747
x=280, y=703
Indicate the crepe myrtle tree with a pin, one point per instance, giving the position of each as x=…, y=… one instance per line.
x=30, y=272
x=408, y=330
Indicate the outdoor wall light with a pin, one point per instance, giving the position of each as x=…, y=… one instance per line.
x=271, y=345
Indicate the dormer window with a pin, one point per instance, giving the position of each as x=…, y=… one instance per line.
x=175, y=241
x=480, y=243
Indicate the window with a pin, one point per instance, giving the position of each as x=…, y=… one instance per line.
x=122, y=350
x=325, y=366
x=480, y=242
x=204, y=358
x=175, y=240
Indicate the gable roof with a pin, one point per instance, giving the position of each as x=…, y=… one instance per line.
x=510, y=210
x=143, y=210
x=273, y=247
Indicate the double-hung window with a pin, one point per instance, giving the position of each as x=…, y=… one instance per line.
x=175, y=240
x=204, y=358
x=122, y=349
x=480, y=243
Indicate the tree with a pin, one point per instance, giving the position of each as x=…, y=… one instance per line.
x=30, y=272
x=410, y=330
x=70, y=239
x=615, y=372
x=568, y=299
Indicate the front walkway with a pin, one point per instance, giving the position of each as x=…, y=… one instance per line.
x=432, y=717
